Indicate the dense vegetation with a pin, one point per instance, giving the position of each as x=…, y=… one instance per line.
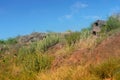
x=35, y=60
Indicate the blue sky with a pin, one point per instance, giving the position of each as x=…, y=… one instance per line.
x=19, y=17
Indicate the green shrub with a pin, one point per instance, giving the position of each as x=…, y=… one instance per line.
x=47, y=42
x=11, y=41
x=112, y=26
x=85, y=33
x=33, y=62
x=102, y=36
x=107, y=69
x=113, y=22
x=36, y=63
x=72, y=38
x=2, y=42
x=117, y=75
x=43, y=45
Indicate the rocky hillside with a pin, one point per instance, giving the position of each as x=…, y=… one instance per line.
x=33, y=37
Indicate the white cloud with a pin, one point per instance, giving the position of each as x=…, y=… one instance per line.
x=93, y=17
x=74, y=8
x=78, y=5
x=68, y=16
x=114, y=10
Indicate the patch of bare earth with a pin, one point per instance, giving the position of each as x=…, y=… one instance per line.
x=110, y=47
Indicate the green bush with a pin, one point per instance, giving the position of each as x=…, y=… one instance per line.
x=112, y=26
x=85, y=33
x=47, y=42
x=113, y=22
x=33, y=62
x=117, y=75
x=107, y=69
x=43, y=45
x=36, y=62
x=11, y=41
x=2, y=42
x=72, y=38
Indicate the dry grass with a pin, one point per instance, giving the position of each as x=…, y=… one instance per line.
x=67, y=73
x=90, y=42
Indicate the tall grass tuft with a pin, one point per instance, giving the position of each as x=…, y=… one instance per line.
x=34, y=62
x=107, y=69
x=50, y=40
x=72, y=38
x=67, y=73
